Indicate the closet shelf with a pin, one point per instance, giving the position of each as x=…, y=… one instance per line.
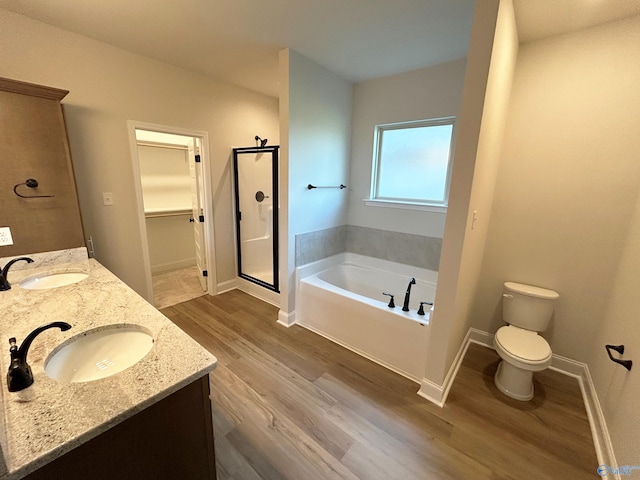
x=167, y=212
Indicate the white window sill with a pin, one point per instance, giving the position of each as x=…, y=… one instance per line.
x=405, y=205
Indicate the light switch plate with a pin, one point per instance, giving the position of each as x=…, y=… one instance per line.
x=107, y=198
x=5, y=236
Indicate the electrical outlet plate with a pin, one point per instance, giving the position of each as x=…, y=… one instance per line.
x=5, y=236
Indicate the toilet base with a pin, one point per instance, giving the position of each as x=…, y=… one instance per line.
x=514, y=382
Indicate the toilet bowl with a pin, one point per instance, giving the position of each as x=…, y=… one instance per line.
x=523, y=352
x=527, y=311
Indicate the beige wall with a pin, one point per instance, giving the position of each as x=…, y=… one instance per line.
x=432, y=92
x=619, y=390
x=490, y=65
x=565, y=212
x=109, y=86
x=316, y=116
x=568, y=180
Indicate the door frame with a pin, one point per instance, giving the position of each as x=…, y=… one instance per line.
x=274, y=150
x=209, y=231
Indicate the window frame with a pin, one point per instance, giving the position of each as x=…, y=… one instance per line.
x=394, y=202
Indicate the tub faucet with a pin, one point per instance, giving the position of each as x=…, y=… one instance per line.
x=4, y=283
x=405, y=306
x=19, y=375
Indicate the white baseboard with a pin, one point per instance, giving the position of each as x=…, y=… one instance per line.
x=226, y=286
x=258, y=291
x=601, y=439
x=286, y=319
x=599, y=430
x=438, y=393
x=171, y=266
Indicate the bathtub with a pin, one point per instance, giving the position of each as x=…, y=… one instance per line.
x=341, y=299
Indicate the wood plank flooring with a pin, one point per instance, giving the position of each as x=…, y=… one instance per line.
x=289, y=404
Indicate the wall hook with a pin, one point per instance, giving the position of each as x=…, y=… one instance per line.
x=263, y=141
x=620, y=349
x=31, y=183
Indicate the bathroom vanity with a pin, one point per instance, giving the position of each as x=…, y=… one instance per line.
x=149, y=421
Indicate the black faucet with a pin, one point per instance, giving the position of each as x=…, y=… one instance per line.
x=4, y=283
x=405, y=306
x=19, y=375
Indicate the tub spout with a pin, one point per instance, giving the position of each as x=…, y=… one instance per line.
x=405, y=305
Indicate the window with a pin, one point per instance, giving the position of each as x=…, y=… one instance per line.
x=412, y=162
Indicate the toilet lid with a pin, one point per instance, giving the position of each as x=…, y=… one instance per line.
x=523, y=344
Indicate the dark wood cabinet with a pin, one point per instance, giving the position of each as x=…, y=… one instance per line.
x=172, y=439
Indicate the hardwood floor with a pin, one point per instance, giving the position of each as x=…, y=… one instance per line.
x=289, y=404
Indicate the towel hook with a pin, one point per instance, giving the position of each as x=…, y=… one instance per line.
x=620, y=349
x=31, y=183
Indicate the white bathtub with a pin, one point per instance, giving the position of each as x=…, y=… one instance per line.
x=341, y=299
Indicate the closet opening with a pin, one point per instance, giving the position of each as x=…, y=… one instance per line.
x=175, y=214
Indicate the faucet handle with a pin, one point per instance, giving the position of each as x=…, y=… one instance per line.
x=421, y=309
x=12, y=343
x=391, y=304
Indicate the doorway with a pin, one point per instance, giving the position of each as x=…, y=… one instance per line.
x=174, y=204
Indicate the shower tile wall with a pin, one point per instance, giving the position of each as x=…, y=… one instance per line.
x=405, y=248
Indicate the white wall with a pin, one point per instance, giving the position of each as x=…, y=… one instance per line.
x=619, y=390
x=171, y=243
x=565, y=211
x=109, y=86
x=165, y=178
x=490, y=65
x=432, y=92
x=315, y=113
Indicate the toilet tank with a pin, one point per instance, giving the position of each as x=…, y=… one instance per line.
x=528, y=307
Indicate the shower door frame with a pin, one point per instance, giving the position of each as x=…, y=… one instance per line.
x=275, y=203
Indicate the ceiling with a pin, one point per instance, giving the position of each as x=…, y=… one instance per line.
x=238, y=40
x=539, y=19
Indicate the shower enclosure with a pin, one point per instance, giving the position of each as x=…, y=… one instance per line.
x=255, y=171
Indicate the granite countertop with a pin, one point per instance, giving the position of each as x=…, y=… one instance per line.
x=50, y=418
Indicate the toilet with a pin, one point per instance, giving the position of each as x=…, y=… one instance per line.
x=526, y=310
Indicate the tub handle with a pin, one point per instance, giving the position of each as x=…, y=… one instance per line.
x=391, y=304
x=421, y=309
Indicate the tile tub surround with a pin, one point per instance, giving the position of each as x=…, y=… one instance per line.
x=50, y=418
x=408, y=249
x=313, y=246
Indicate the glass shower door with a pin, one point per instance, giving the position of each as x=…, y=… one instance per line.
x=256, y=195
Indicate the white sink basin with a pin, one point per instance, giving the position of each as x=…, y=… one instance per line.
x=52, y=280
x=98, y=353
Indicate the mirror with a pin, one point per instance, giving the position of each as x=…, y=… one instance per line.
x=255, y=173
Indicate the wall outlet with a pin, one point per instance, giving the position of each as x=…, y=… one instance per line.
x=5, y=236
